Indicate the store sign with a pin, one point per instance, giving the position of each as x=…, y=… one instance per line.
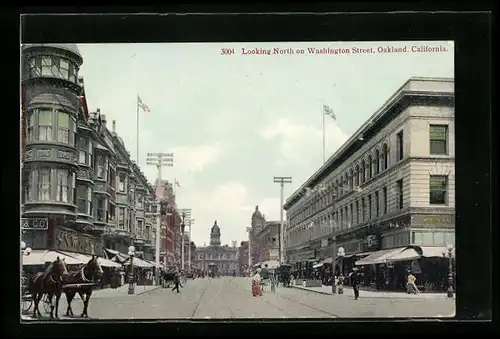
x=34, y=223
x=67, y=240
x=370, y=242
x=433, y=220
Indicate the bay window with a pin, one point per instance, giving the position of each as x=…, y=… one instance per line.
x=63, y=127
x=43, y=184
x=82, y=151
x=64, y=68
x=28, y=186
x=89, y=199
x=63, y=185
x=101, y=210
x=121, y=217
x=102, y=167
x=45, y=124
x=34, y=68
x=122, y=183
x=73, y=73
x=31, y=126
x=81, y=192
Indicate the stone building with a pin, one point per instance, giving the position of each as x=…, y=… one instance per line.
x=390, y=185
x=243, y=257
x=70, y=162
x=221, y=257
x=264, y=238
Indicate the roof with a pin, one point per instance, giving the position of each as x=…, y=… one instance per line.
x=415, y=85
x=73, y=48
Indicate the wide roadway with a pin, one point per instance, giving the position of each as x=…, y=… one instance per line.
x=230, y=297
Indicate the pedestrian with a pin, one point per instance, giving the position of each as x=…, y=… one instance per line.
x=256, y=281
x=177, y=281
x=411, y=286
x=340, y=284
x=273, y=283
x=354, y=277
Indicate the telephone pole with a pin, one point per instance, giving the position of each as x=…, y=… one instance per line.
x=159, y=160
x=282, y=181
x=186, y=216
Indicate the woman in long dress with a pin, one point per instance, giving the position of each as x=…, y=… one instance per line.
x=256, y=289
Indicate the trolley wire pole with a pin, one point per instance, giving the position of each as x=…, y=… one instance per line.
x=282, y=181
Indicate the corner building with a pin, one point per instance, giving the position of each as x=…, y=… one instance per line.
x=390, y=185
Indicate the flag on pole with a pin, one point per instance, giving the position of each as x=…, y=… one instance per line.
x=142, y=105
x=328, y=111
x=177, y=183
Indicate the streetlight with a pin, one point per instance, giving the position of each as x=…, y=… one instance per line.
x=450, y=248
x=131, y=277
x=340, y=255
x=182, y=240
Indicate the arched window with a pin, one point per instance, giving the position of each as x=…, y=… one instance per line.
x=350, y=179
x=356, y=175
x=377, y=162
x=385, y=155
x=363, y=173
x=370, y=166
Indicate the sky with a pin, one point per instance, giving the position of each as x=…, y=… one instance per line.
x=234, y=121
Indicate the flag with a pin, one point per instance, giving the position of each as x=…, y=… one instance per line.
x=328, y=111
x=177, y=184
x=142, y=105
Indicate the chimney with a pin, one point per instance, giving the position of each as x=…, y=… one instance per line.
x=114, y=126
x=103, y=120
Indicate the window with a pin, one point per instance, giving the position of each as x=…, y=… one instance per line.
x=358, y=218
x=363, y=209
x=28, y=186
x=64, y=68
x=377, y=205
x=346, y=216
x=31, y=126
x=449, y=238
x=81, y=192
x=399, y=192
x=363, y=173
x=384, y=196
x=350, y=179
x=352, y=214
x=101, y=210
x=89, y=199
x=122, y=179
x=427, y=238
x=438, y=135
x=356, y=176
x=121, y=217
x=73, y=73
x=377, y=162
x=44, y=184
x=63, y=128
x=46, y=66
x=62, y=185
x=370, y=167
x=83, y=150
x=139, y=204
x=400, y=143
x=417, y=238
x=45, y=125
x=102, y=167
x=439, y=238
x=34, y=68
x=438, y=189
x=385, y=156
x=369, y=206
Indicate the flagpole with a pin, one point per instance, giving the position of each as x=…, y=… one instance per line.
x=323, y=134
x=137, y=106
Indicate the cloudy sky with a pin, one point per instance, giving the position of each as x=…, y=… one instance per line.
x=235, y=121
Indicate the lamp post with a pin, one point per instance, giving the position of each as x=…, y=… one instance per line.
x=340, y=255
x=191, y=222
x=25, y=251
x=182, y=240
x=249, y=230
x=450, y=291
x=131, y=276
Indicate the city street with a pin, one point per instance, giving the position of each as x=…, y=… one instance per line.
x=230, y=297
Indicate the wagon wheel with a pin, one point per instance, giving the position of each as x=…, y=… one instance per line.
x=26, y=302
x=46, y=303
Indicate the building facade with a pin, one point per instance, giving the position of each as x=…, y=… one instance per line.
x=391, y=184
x=222, y=258
x=268, y=242
x=70, y=163
x=243, y=257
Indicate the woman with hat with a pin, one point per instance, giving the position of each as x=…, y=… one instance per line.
x=256, y=288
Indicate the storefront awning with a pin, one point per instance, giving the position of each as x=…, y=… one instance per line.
x=318, y=265
x=40, y=257
x=139, y=263
x=436, y=251
x=102, y=261
x=407, y=254
x=257, y=264
x=379, y=257
x=364, y=254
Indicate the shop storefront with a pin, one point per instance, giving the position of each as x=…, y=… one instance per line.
x=72, y=241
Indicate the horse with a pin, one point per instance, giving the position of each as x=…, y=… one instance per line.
x=50, y=282
x=90, y=273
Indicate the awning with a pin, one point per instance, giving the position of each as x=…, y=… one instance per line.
x=86, y=258
x=40, y=257
x=407, y=254
x=318, y=265
x=108, y=263
x=257, y=264
x=435, y=251
x=139, y=262
x=363, y=254
x=379, y=257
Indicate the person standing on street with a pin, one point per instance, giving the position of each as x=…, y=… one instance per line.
x=177, y=281
x=355, y=281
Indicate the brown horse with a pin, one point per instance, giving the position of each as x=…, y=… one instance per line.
x=49, y=282
x=88, y=275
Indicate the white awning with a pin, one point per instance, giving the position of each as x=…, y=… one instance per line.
x=379, y=257
x=435, y=251
x=83, y=257
x=257, y=264
x=40, y=257
x=108, y=263
x=318, y=265
x=139, y=262
x=407, y=254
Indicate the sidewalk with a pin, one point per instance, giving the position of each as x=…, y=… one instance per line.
x=122, y=291
x=375, y=294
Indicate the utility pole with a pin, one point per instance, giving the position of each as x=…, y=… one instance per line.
x=186, y=215
x=191, y=222
x=159, y=160
x=282, y=181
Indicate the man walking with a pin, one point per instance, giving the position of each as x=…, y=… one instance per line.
x=355, y=281
x=177, y=281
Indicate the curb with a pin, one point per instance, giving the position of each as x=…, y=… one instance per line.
x=378, y=296
x=147, y=291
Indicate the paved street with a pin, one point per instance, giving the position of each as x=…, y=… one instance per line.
x=231, y=298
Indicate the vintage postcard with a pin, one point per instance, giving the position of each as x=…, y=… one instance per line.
x=238, y=180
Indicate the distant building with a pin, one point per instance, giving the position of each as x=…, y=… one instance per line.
x=264, y=239
x=223, y=258
x=243, y=256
